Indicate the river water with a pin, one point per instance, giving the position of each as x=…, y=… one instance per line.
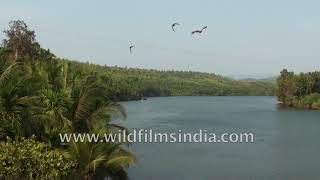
x=286, y=141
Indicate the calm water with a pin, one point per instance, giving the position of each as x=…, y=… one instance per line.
x=286, y=145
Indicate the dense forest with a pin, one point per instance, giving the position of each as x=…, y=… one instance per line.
x=40, y=97
x=301, y=91
x=133, y=83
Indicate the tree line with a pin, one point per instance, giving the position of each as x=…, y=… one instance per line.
x=299, y=90
x=134, y=84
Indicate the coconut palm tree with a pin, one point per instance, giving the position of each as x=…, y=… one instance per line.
x=11, y=104
x=109, y=159
x=43, y=96
x=18, y=114
x=83, y=107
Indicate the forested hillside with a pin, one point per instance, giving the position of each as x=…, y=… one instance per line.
x=132, y=83
x=299, y=90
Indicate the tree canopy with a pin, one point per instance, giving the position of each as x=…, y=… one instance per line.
x=300, y=90
x=20, y=40
x=41, y=97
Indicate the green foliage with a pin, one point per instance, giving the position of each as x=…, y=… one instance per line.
x=40, y=97
x=20, y=40
x=133, y=83
x=299, y=90
x=109, y=158
x=29, y=159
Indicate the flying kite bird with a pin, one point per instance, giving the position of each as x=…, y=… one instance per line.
x=131, y=49
x=174, y=25
x=199, y=31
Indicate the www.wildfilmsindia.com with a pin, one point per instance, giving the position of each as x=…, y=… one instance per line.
x=149, y=136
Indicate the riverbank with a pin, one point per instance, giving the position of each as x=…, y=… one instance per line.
x=311, y=102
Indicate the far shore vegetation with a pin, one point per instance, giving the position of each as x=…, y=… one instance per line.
x=299, y=90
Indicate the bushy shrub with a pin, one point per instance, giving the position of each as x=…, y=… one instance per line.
x=312, y=98
x=29, y=159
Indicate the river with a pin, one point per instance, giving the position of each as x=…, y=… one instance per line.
x=286, y=141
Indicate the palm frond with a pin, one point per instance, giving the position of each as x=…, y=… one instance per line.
x=95, y=163
x=121, y=159
x=11, y=72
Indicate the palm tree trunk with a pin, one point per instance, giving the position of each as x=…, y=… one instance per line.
x=65, y=69
x=16, y=55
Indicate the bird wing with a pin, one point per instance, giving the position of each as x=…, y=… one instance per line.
x=173, y=25
x=196, y=31
x=131, y=49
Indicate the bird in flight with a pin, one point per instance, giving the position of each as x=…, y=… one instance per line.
x=131, y=48
x=174, y=25
x=199, y=31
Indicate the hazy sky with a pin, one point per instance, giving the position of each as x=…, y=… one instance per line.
x=244, y=37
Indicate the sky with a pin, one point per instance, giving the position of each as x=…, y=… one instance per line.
x=251, y=38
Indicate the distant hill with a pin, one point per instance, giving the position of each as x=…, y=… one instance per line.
x=272, y=80
x=135, y=83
